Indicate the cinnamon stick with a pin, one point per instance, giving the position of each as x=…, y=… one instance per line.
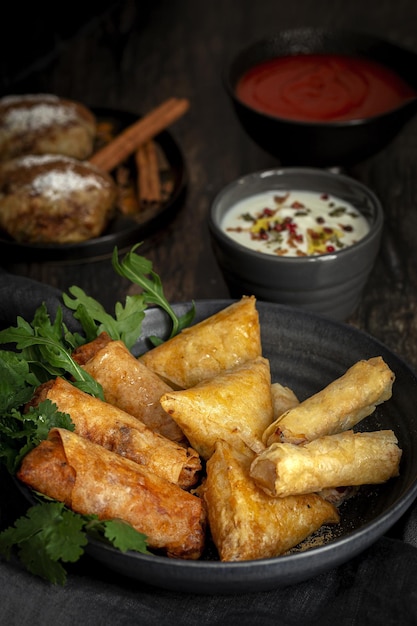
x=131, y=138
x=149, y=183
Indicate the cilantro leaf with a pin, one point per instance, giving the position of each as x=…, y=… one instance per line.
x=123, y=536
x=49, y=534
x=17, y=382
x=139, y=270
x=20, y=432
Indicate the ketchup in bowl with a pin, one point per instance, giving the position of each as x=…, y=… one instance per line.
x=323, y=88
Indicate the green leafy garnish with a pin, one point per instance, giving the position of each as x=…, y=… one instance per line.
x=47, y=349
x=50, y=534
x=125, y=325
x=20, y=432
x=139, y=270
x=17, y=381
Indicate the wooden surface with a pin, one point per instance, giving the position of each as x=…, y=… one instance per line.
x=139, y=53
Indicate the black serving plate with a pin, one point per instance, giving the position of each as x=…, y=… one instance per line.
x=123, y=231
x=306, y=352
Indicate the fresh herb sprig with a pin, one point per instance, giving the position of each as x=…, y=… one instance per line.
x=139, y=271
x=49, y=534
x=22, y=431
x=126, y=324
x=47, y=347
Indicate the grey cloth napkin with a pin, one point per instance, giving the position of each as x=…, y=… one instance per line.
x=377, y=587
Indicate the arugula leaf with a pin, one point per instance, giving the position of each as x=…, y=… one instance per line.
x=126, y=325
x=45, y=347
x=49, y=534
x=139, y=270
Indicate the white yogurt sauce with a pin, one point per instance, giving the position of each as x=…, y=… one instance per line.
x=294, y=223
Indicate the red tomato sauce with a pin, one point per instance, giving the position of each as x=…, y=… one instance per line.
x=323, y=88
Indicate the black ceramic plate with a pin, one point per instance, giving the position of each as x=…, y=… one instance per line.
x=306, y=352
x=123, y=231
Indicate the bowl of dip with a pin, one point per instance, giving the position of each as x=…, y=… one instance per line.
x=298, y=236
x=322, y=98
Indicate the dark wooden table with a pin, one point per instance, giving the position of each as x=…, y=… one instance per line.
x=136, y=54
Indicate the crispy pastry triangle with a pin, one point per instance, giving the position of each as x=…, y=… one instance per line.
x=220, y=342
x=235, y=406
x=246, y=523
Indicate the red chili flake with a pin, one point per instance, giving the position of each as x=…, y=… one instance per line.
x=324, y=196
x=320, y=220
x=268, y=212
x=279, y=227
x=297, y=205
x=330, y=248
x=347, y=228
x=328, y=230
x=263, y=234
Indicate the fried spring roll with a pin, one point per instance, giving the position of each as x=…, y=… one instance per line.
x=220, y=342
x=247, y=524
x=283, y=399
x=118, y=431
x=127, y=383
x=94, y=481
x=345, y=459
x=235, y=406
x=337, y=407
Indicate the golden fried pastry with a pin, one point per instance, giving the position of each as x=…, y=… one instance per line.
x=127, y=383
x=94, y=481
x=345, y=459
x=54, y=199
x=247, y=524
x=338, y=407
x=235, y=406
x=122, y=433
x=283, y=399
x=223, y=340
x=45, y=124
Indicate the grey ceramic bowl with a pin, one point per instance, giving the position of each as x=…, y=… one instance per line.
x=328, y=143
x=329, y=284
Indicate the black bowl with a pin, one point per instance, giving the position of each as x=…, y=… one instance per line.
x=306, y=352
x=323, y=144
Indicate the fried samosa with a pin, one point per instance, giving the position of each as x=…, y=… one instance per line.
x=122, y=433
x=94, y=481
x=247, y=524
x=235, y=406
x=338, y=407
x=127, y=383
x=200, y=352
x=345, y=459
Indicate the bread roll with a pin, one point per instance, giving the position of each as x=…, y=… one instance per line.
x=54, y=199
x=45, y=124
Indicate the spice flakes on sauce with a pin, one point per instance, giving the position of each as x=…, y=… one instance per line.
x=298, y=223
